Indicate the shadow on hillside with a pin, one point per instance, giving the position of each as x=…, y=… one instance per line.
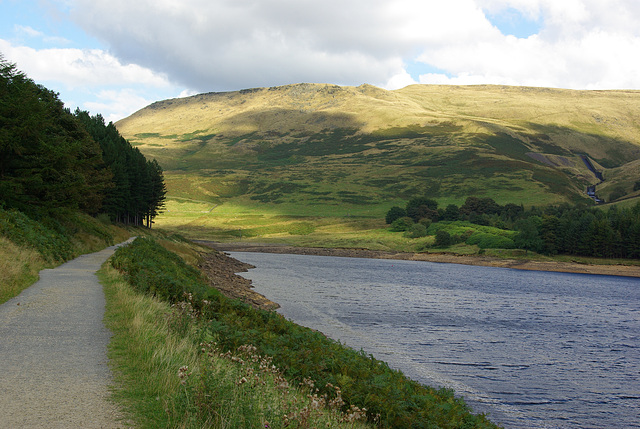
x=303, y=121
x=609, y=152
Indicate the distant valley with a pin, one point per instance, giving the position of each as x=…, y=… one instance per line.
x=329, y=151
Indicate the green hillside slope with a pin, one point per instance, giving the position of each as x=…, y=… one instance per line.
x=324, y=150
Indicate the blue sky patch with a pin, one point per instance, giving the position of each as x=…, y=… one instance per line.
x=25, y=23
x=416, y=69
x=512, y=22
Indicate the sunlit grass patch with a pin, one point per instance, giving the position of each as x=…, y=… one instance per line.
x=19, y=267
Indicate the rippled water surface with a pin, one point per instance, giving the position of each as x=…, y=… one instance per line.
x=530, y=349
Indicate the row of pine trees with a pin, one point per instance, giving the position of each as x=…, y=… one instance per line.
x=52, y=159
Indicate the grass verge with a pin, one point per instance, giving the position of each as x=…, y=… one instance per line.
x=19, y=267
x=30, y=244
x=350, y=383
x=170, y=373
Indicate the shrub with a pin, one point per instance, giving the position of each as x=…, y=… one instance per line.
x=22, y=230
x=426, y=222
x=417, y=230
x=443, y=239
x=153, y=270
x=452, y=212
x=104, y=218
x=418, y=208
x=490, y=241
x=395, y=213
x=402, y=224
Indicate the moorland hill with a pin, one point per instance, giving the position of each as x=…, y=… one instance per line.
x=327, y=150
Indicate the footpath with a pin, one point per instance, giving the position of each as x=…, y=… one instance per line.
x=54, y=369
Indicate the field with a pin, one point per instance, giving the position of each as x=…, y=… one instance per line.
x=314, y=162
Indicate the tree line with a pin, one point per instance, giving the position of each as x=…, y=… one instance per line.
x=551, y=230
x=51, y=158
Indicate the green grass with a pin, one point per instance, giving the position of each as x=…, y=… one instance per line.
x=19, y=267
x=336, y=182
x=29, y=244
x=213, y=391
x=169, y=373
x=355, y=152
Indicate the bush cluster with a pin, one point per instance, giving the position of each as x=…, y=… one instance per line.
x=301, y=353
x=153, y=270
x=490, y=241
x=577, y=230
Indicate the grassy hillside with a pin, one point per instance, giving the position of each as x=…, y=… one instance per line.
x=30, y=244
x=265, y=157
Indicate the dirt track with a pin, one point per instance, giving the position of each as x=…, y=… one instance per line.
x=53, y=351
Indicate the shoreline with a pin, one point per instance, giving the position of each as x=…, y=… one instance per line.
x=221, y=270
x=486, y=261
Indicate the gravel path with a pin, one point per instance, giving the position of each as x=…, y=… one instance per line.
x=54, y=370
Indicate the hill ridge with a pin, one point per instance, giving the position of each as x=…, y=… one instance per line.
x=364, y=148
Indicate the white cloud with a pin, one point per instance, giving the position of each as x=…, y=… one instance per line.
x=399, y=80
x=583, y=44
x=116, y=104
x=155, y=49
x=78, y=67
x=28, y=31
x=222, y=44
x=187, y=93
x=227, y=44
x=91, y=79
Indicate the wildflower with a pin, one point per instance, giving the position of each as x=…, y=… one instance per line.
x=183, y=374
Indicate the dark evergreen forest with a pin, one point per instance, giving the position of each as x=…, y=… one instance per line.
x=53, y=159
x=562, y=229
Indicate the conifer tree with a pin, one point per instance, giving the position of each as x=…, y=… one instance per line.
x=47, y=159
x=138, y=191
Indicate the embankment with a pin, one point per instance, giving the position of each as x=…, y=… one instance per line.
x=487, y=261
x=221, y=271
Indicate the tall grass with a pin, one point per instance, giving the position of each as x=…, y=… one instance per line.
x=146, y=357
x=170, y=373
x=223, y=326
x=19, y=266
x=29, y=244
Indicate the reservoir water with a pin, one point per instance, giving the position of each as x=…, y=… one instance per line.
x=530, y=349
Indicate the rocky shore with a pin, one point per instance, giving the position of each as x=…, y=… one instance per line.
x=221, y=270
x=520, y=264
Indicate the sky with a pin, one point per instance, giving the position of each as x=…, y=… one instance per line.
x=115, y=57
